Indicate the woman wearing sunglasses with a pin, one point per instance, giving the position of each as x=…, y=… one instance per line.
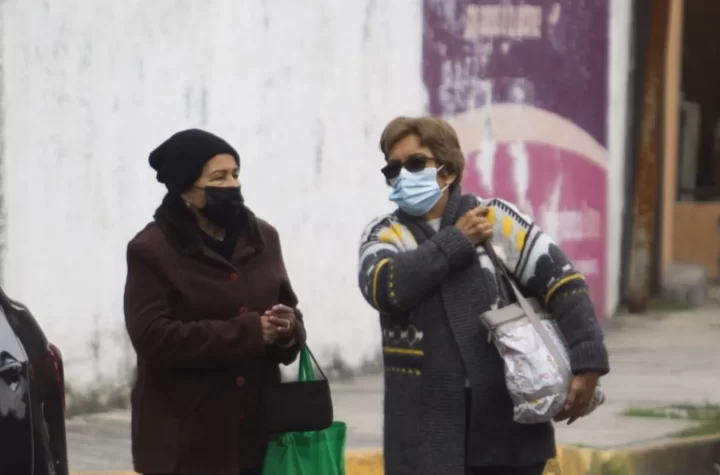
x=424, y=269
x=211, y=313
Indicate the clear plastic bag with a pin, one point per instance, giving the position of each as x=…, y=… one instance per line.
x=537, y=364
x=538, y=386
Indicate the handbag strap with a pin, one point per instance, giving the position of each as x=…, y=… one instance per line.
x=534, y=318
x=305, y=369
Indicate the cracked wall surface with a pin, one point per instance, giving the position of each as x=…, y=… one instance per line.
x=301, y=88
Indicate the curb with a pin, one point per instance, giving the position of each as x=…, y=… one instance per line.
x=698, y=456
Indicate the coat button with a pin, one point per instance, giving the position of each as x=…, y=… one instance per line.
x=233, y=277
x=243, y=309
x=239, y=380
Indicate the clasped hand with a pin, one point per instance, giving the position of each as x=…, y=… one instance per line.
x=475, y=225
x=278, y=324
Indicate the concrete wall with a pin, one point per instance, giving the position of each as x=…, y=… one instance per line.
x=302, y=88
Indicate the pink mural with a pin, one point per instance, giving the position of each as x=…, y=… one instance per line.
x=524, y=83
x=564, y=189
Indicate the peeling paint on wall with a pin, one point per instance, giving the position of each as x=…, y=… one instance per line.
x=301, y=89
x=3, y=215
x=525, y=84
x=3, y=211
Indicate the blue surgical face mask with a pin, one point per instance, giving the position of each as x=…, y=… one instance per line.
x=416, y=192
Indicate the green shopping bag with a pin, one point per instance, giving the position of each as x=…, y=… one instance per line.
x=307, y=453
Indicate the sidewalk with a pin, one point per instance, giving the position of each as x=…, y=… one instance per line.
x=657, y=359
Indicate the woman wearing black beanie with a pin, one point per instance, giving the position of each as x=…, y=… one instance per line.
x=211, y=313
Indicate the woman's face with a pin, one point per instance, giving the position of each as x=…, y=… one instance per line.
x=220, y=171
x=410, y=147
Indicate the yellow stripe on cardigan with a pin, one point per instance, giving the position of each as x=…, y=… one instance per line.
x=379, y=266
x=395, y=369
x=387, y=236
x=401, y=351
x=392, y=234
x=559, y=284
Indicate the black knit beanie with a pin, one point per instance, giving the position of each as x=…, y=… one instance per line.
x=180, y=159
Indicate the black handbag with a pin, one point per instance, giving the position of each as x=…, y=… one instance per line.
x=302, y=405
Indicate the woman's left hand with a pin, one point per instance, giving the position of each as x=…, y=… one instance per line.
x=582, y=391
x=283, y=317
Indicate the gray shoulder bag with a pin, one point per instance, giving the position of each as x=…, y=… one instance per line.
x=537, y=365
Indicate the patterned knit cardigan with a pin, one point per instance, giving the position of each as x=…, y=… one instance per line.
x=430, y=289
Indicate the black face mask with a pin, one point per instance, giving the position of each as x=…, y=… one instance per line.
x=224, y=206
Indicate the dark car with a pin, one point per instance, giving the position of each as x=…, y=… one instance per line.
x=32, y=396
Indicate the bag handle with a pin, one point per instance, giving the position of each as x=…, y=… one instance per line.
x=535, y=320
x=305, y=368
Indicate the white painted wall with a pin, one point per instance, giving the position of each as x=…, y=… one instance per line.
x=302, y=88
x=620, y=62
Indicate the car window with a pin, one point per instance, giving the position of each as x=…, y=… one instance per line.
x=10, y=347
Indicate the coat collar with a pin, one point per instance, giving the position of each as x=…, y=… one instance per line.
x=180, y=229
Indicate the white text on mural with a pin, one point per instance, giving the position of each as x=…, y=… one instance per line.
x=510, y=21
x=587, y=267
x=574, y=224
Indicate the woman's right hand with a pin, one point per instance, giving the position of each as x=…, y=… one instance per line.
x=475, y=225
x=269, y=330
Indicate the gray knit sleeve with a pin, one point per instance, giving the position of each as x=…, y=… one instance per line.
x=575, y=315
x=395, y=274
x=545, y=272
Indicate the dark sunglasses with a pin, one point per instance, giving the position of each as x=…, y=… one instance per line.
x=413, y=163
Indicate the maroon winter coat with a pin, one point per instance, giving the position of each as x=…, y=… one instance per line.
x=194, y=320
